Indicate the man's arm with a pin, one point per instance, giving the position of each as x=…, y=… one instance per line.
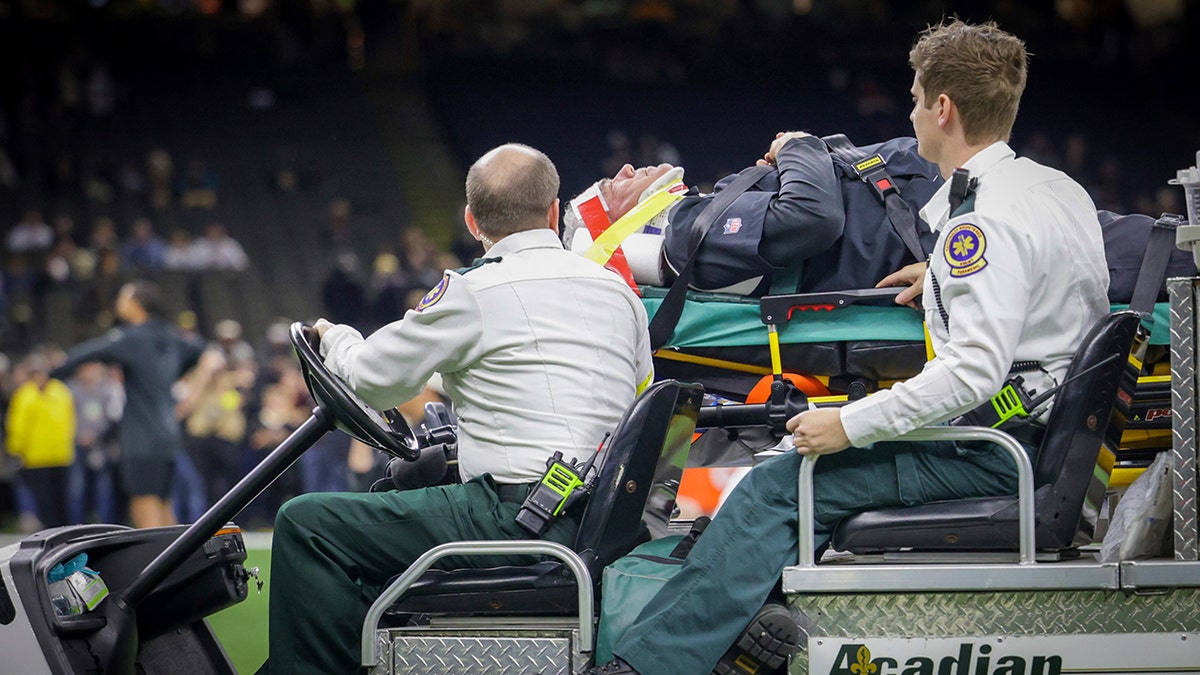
x=987, y=309
x=806, y=216
x=394, y=363
x=106, y=348
x=193, y=349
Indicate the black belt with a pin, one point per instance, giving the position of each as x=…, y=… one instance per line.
x=513, y=493
x=1029, y=434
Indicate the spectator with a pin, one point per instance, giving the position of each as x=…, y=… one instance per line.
x=216, y=250
x=180, y=254
x=145, y=251
x=103, y=234
x=20, y=290
x=31, y=235
x=339, y=237
x=387, y=289
x=199, y=187
x=213, y=408
x=96, y=301
x=152, y=356
x=101, y=92
x=229, y=342
x=325, y=466
x=160, y=172
x=282, y=412
x=420, y=258
x=99, y=402
x=64, y=228
x=9, y=178
x=343, y=293
x=41, y=433
x=276, y=346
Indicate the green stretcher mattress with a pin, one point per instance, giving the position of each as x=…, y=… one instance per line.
x=715, y=320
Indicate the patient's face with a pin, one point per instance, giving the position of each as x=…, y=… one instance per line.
x=621, y=192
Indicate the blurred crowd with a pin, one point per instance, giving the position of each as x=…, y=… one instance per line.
x=240, y=401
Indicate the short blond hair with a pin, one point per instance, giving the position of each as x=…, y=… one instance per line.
x=980, y=67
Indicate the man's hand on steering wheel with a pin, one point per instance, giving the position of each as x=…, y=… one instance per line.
x=321, y=326
x=385, y=431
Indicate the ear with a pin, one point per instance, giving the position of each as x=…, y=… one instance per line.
x=946, y=110
x=472, y=226
x=553, y=216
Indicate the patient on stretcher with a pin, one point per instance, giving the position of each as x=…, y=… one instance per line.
x=807, y=225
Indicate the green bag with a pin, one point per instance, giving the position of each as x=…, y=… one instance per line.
x=629, y=583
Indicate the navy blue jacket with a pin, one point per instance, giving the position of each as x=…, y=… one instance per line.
x=822, y=228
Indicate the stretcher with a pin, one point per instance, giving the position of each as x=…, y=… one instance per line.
x=847, y=346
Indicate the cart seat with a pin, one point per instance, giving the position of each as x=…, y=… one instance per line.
x=636, y=484
x=1082, y=434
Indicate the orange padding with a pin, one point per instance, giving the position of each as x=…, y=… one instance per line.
x=806, y=383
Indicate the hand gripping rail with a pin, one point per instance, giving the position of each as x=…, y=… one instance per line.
x=1024, y=485
x=583, y=580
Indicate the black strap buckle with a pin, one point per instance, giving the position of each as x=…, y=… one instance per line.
x=873, y=172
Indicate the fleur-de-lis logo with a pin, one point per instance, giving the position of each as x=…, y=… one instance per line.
x=864, y=665
x=963, y=245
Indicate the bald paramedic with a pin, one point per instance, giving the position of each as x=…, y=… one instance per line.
x=539, y=349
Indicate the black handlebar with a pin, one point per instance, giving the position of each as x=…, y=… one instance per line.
x=725, y=416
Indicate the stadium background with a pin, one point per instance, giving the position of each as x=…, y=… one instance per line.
x=330, y=138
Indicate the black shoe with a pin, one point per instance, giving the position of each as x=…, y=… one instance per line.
x=765, y=644
x=615, y=667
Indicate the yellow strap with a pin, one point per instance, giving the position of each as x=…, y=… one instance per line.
x=773, y=342
x=928, y=342
x=606, y=244
x=672, y=355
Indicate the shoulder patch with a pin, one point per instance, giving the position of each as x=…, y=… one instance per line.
x=964, y=249
x=435, y=294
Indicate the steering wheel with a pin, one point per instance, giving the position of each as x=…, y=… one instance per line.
x=387, y=431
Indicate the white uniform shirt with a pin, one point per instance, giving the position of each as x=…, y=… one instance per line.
x=1023, y=277
x=539, y=349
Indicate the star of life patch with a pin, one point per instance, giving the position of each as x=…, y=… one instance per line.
x=964, y=249
x=434, y=294
x=733, y=225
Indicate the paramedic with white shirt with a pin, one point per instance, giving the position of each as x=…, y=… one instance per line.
x=1018, y=274
x=539, y=349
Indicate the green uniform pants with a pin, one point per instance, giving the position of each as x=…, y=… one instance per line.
x=333, y=552
x=733, y=567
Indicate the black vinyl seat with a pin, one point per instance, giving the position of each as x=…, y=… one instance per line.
x=1082, y=433
x=650, y=442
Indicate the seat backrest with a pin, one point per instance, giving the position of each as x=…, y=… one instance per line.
x=655, y=433
x=1084, y=431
